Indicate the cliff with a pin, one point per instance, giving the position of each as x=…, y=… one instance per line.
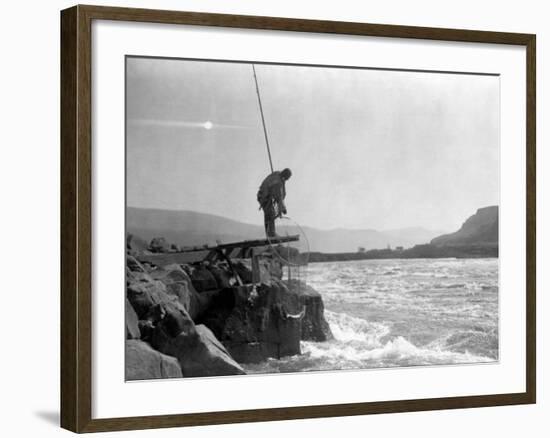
x=479, y=229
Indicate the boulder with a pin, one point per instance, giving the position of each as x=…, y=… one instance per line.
x=203, y=279
x=256, y=322
x=174, y=286
x=179, y=284
x=200, y=354
x=135, y=271
x=314, y=325
x=159, y=302
x=169, y=319
x=144, y=363
x=172, y=331
x=137, y=277
x=132, y=328
x=145, y=294
x=133, y=264
x=147, y=329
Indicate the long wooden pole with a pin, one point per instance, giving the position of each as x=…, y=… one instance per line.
x=263, y=119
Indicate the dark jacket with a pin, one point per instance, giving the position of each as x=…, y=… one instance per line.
x=272, y=189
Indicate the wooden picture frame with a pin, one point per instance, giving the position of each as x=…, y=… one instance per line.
x=76, y=218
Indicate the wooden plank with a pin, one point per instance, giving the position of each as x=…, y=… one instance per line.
x=175, y=257
x=200, y=253
x=244, y=244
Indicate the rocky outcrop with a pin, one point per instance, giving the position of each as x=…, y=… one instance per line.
x=134, y=266
x=132, y=322
x=213, y=316
x=178, y=284
x=256, y=322
x=202, y=278
x=169, y=319
x=200, y=354
x=314, y=325
x=144, y=363
x=146, y=289
x=480, y=228
x=145, y=294
x=162, y=299
x=222, y=275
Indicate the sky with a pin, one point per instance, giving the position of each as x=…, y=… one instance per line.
x=376, y=149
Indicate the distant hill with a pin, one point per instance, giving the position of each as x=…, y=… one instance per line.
x=189, y=228
x=479, y=229
x=477, y=238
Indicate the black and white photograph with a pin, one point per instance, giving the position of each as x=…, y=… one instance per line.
x=303, y=218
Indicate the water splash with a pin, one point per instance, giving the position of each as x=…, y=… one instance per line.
x=424, y=312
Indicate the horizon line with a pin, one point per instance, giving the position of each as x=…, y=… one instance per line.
x=386, y=230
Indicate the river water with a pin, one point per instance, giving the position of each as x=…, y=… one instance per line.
x=391, y=313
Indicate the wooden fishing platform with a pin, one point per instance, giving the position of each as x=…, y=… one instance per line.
x=223, y=251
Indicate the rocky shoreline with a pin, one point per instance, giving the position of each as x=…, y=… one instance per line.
x=208, y=318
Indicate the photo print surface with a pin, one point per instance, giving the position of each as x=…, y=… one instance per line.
x=291, y=218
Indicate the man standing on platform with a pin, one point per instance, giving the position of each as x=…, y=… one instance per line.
x=271, y=197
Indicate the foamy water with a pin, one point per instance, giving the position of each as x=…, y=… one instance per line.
x=387, y=313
